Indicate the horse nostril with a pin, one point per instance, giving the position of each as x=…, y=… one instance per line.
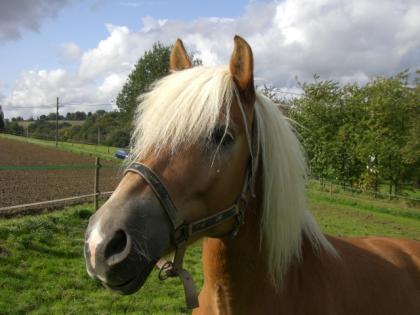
x=118, y=248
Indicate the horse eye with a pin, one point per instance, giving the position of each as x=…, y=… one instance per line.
x=221, y=136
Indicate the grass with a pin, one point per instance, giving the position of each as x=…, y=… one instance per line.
x=341, y=215
x=42, y=271
x=26, y=123
x=104, y=152
x=42, y=267
x=394, y=208
x=405, y=190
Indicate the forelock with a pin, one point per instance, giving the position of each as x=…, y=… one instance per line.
x=180, y=109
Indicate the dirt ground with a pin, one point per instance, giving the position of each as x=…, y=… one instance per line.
x=29, y=186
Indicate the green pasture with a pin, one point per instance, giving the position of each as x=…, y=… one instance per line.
x=104, y=152
x=42, y=267
x=26, y=123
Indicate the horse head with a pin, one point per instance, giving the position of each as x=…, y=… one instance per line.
x=191, y=170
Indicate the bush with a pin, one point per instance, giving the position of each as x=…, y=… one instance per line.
x=118, y=138
x=13, y=127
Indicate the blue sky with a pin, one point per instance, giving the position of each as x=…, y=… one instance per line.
x=83, y=22
x=82, y=51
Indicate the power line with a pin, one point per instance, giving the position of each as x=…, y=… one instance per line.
x=88, y=105
x=293, y=93
x=61, y=106
x=28, y=107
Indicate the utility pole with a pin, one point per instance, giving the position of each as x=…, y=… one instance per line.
x=96, y=183
x=99, y=135
x=56, y=126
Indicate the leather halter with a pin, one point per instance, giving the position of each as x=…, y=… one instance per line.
x=182, y=231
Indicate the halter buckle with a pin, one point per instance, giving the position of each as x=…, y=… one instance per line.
x=182, y=234
x=240, y=217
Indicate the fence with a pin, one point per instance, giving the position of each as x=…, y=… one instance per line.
x=23, y=182
x=335, y=187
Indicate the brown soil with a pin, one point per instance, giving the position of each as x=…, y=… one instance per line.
x=22, y=187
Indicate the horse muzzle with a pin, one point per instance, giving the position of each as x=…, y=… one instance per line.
x=121, y=250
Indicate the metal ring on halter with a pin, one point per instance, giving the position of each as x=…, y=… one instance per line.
x=165, y=271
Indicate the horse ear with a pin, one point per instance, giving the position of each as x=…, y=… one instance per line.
x=242, y=65
x=179, y=58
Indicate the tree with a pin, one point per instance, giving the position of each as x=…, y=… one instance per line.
x=1, y=119
x=271, y=92
x=325, y=125
x=153, y=65
x=13, y=127
x=76, y=116
x=391, y=126
x=361, y=135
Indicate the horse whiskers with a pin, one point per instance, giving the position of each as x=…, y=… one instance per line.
x=140, y=249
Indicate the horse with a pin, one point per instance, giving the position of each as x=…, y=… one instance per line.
x=212, y=158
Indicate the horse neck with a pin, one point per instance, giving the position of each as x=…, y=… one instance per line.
x=236, y=276
x=220, y=254
x=233, y=268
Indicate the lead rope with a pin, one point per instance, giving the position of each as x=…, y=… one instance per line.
x=174, y=269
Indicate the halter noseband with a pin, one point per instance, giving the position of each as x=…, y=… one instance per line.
x=182, y=231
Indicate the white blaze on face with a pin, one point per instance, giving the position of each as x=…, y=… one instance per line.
x=95, y=238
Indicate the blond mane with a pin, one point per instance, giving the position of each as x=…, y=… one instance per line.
x=185, y=106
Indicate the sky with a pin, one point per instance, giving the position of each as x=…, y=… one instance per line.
x=83, y=51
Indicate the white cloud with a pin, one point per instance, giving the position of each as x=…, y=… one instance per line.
x=36, y=91
x=150, y=24
x=15, y=16
x=111, y=86
x=110, y=55
x=347, y=41
x=70, y=52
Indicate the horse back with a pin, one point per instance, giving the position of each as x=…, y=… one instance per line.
x=373, y=275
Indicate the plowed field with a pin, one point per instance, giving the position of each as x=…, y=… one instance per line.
x=29, y=186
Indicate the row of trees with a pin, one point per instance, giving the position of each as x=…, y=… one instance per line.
x=78, y=115
x=100, y=127
x=361, y=135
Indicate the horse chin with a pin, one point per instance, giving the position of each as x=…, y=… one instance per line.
x=134, y=284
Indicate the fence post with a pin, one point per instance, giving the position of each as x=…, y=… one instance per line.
x=56, y=126
x=96, y=183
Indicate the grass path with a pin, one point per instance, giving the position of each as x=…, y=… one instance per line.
x=42, y=268
x=104, y=152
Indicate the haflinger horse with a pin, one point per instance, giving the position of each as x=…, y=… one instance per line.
x=213, y=158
